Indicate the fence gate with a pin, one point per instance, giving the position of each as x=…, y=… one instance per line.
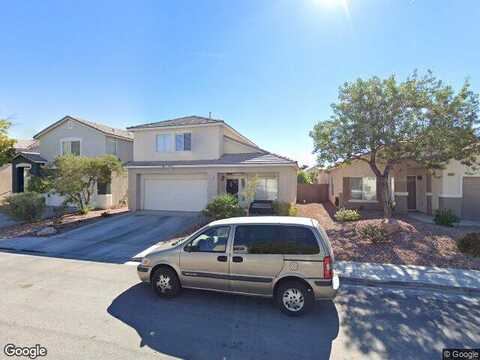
x=312, y=193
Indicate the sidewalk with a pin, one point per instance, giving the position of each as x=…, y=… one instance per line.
x=421, y=277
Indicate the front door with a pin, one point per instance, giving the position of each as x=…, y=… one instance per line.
x=204, y=260
x=412, y=193
x=20, y=179
x=255, y=262
x=232, y=187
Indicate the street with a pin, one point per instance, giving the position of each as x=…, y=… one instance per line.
x=81, y=309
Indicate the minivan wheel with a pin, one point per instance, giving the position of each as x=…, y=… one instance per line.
x=165, y=283
x=294, y=298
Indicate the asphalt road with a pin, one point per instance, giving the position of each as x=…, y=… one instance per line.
x=86, y=310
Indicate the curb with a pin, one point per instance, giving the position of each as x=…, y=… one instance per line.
x=409, y=285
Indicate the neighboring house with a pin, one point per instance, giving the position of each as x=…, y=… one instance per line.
x=414, y=188
x=320, y=175
x=21, y=145
x=182, y=164
x=71, y=135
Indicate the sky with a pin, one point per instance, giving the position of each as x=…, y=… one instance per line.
x=270, y=69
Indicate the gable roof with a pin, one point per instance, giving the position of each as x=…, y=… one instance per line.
x=243, y=159
x=181, y=121
x=33, y=157
x=107, y=130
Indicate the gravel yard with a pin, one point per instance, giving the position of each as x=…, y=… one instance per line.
x=417, y=243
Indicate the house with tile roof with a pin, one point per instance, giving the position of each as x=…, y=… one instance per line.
x=181, y=164
x=73, y=135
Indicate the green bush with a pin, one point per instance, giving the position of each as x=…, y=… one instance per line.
x=445, y=217
x=374, y=233
x=470, y=244
x=27, y=206
x=347, y=215
x=284, y=209
x=222, y=207
x=304, y=178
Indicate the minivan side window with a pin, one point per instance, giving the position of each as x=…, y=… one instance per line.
x=274, y=239
x=211, y=240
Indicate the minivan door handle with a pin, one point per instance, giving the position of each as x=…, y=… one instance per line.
x=222, y=258
x=237, y=259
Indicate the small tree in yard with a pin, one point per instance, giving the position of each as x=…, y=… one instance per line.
x=385, y=122
x=76, y=177
x=7, y=150
x=304, y=177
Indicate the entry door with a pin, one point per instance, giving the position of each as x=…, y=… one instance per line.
x=412, y=193
x=252, y=266
x=204, y=260
x=20, y=179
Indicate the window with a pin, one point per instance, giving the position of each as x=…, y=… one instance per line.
x=266, y=189
x=104, y=188
x=71, y=147
x=165, y=143
x=363, y=188
x=111, y=146
x=274, y=239
x=183, y=142
x=211, y=240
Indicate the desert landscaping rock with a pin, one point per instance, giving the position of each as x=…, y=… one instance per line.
x=417, y=242
x=47, y=231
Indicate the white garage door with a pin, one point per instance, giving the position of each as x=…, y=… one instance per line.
x=175, y=193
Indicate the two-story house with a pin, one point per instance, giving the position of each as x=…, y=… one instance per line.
x=182, y=164
x=72, y=135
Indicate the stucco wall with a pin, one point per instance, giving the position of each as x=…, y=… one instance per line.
x=124, y=148
x=92, y=141
x=207, y=142
x=287, y=180
x=5, y=180
x=233, y=147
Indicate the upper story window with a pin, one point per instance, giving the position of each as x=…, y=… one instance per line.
x=111, y=146
x=165, y=142
x=183, y=142
x=70, y=147
x=363, y=188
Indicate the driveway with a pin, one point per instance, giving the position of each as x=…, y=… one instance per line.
x=117, y=240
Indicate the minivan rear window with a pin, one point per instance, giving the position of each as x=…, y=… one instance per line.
x=274, y=239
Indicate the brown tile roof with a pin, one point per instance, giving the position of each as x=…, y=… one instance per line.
x=107, y=130
x=181, y=121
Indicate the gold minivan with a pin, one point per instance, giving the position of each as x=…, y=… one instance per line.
x=288, y=258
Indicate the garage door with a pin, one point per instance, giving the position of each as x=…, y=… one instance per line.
x=471, y=198
x=175, y=193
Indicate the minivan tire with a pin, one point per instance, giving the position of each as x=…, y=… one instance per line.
x=165, y=283
x=294, y=298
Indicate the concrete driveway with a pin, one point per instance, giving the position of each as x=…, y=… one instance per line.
x=117, y=239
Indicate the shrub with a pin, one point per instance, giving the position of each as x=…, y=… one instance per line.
x=374, y=233
x=347, y=215
x=304, y=178
x=445, y=217
x=470, y=244
x=27, y=206
x=223, y=206
x=284, y=209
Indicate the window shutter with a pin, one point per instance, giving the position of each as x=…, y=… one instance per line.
x=187, y=141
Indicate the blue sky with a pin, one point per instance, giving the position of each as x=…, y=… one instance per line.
x=269, y=68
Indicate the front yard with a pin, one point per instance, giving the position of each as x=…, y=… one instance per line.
x=417, y=243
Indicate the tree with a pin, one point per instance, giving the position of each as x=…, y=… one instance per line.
x=385, y=122
x=76, y=177
x=304, y=177
x=7, y=151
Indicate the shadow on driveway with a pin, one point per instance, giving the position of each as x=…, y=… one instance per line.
x=207, y=325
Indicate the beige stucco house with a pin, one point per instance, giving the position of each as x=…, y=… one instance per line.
x=182, y=164
x=414, y=188
x=72, y=135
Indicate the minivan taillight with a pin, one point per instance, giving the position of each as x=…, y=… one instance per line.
x=327, y=267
